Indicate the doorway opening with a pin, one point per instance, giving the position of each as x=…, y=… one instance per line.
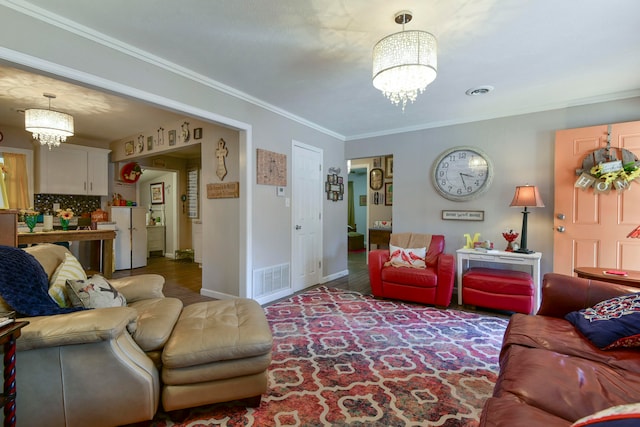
x=162, y=220
x=357, y=215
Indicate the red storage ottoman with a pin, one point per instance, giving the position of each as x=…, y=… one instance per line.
x=498, y=289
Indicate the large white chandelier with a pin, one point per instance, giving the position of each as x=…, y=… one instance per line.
x=405, y=63
x=48, y=126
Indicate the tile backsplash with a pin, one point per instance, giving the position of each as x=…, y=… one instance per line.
x=78, y=204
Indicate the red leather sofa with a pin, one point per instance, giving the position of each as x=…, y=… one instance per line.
x=430, y=285
x=550, y=374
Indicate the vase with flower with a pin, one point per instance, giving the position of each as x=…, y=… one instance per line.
x=510, y=236
x=65, y=216
x=30, y=218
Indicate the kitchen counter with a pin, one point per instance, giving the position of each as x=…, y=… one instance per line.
x=106, y=236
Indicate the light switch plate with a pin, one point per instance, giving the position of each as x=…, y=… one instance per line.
x=280, y=191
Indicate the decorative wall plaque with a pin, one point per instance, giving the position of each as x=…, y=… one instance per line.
x=229, y=190
x=221, y=153
x=272, y=168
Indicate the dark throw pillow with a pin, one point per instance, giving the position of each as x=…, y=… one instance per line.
x=617, y=416
x=612, y=323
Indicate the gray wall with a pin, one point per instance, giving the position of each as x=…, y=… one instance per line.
x=521, y=148
x=267, y=236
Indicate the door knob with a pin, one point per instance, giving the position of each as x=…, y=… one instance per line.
x=298, y=227
x=560, y=216
x=560, y=229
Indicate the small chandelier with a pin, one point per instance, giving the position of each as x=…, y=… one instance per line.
x=48, y=126
x=405, y=63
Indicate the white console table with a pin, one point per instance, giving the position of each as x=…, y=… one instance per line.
x=465, y=256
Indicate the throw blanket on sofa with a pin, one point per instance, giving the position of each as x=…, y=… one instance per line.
x=24, y=284
x=411, y=240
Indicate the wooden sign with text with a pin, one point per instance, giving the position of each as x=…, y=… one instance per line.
x=229, y=190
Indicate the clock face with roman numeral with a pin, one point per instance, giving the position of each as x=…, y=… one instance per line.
x=462, y=173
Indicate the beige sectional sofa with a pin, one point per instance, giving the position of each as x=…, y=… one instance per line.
x=104, y=367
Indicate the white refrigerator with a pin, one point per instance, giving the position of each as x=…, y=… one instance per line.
x=130, y=246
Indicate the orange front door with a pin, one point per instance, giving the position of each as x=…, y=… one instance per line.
x=591, y=229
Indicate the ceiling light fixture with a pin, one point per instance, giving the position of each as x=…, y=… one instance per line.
x=48, y=126
x=405, y=63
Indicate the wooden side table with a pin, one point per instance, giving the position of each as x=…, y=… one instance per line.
x=379, y=237
x=8, y=336
x=598, y=273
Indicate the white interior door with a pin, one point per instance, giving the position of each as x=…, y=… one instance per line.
x=306, y=220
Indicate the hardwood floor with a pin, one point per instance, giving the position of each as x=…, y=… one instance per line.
x=183, y=279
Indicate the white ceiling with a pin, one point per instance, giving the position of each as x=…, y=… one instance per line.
x=313, y=58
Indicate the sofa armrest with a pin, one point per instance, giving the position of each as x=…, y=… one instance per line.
x=446, y=272
x=79, y=327
x=141, y=287
x=562, y=294
x=377, y=258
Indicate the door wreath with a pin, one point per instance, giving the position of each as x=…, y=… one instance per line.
x=602, y=170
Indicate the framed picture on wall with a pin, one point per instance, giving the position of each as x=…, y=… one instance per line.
x=388, y=167
x=128, y=148
x=172, y=137
x=388, y=193
x=157, y=193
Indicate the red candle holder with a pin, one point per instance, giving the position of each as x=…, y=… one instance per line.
x=510, y=237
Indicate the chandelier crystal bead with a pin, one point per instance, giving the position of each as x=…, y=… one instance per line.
x=50, y=127
x=405, y=63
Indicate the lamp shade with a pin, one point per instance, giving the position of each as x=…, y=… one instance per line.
x=527, y=196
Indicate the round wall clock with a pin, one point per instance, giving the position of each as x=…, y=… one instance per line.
x=462, y=173
x=376, y=179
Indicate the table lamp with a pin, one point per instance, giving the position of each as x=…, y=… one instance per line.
x=526, y=196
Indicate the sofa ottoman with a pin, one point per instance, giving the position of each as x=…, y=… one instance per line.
x=219, y=351
x=498, y=289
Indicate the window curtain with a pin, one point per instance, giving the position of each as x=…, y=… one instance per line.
x=16, y=181
x=4, y=200
x=351, y=218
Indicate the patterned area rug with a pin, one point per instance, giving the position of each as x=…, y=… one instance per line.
x=341, y=358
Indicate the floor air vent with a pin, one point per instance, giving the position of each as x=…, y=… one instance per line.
x=269, y=280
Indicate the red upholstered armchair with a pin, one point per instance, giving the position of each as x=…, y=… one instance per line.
x=430, y=285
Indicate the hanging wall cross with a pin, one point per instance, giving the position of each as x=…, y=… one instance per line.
x=221, y=153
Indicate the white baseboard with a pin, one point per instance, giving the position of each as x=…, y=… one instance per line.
x=334, y=276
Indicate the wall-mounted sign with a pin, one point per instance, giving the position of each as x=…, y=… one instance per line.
x=229, y=190
x=463, y=215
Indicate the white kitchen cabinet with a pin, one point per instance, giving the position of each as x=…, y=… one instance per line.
x=72, y=169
